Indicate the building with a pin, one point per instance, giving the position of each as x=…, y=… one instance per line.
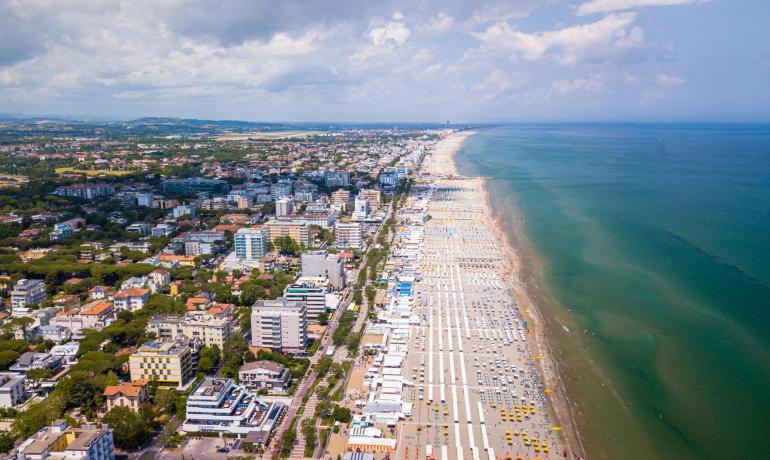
x=194, y=185
x=320, y=263
x=31, y=360
x=11, y=389
x=321, y=219
x=219, y=405
x=127, y=394
x=360, y=208
x=348, y=235
x=280, y=189
x=198, y=326
x=265, y=375
x=337, y=178
x=144, y=199
x=284, y=206
x=62, y=442
x=251, y=243
x=183, y=210
x=167, y=363
x=299, y=231
x=27, y=292
x=341, y=197
x=86, y=191
x=374, y=197
x=311, y=291
x=96, y=315
x=141, y=228
x=279, y=325
x=132, y=299
x=389, y=177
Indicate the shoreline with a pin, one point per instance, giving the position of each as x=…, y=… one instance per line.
x=559, y=404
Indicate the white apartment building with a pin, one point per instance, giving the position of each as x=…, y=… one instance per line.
x=348, y=235
x=219, y=405
x=62, y=442
x=320, y=263
x=279, y=325
x=284, y=206
x=310, y=290
x=251, y=243
x=198, y=326
x=27, y=292
x=132, y=299
x=11, y=389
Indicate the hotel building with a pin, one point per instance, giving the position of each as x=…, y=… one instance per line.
x=167, y=363
x=279, y=325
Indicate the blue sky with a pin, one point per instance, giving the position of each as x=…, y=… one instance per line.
x=339, y=60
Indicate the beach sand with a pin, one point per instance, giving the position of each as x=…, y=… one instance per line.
x=442, y=162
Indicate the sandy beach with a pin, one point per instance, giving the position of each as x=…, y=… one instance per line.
x=442, y=162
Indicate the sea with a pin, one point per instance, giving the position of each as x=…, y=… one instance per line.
x=647, y=248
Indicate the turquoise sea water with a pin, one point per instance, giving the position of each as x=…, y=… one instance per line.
x=648, y=247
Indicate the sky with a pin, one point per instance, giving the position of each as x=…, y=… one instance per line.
x=432, y=61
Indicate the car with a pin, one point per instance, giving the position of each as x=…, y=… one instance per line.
x=223, y=450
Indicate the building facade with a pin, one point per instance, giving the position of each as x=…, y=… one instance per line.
x=311, y=291
x=27, y=292
x=298, y=230
x=251, y=243
x=265, y=375
x=320, y=263
x=11, y=389
x=279, y=325
x=348, y=235
x=167, y=363
x=206, y=329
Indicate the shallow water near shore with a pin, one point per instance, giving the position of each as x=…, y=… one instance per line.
x=647, y=248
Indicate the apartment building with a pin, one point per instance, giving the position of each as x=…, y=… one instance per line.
x=298, y=230
x=348, y=235
x=265, y=375
x=284, y=206
x=27, y=292
x=132, y=299
x=96, y=315
x=310, y=290
x=167, y=363
x=279, y=325
x=86, y=191
x=197, y=326
x=60, y=441
x=374, y=197
x=321, y=263
x=219, y=405
x=251, y=243
x=11, y=389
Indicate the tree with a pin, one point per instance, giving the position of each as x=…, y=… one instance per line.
x=208, y=359
x=130, y=429
x=323, y=318
x=7, y=358
x=39, y=374
x=6, y=441
x=18, y=324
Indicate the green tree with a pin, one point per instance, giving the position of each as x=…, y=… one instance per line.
x=130, y=429
x=6, y=441
x=7, y=358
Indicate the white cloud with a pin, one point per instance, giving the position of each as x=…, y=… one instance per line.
x=595, y=40
x=394, y=32
x=668, y=80
x=441, y=23
x=608, y=6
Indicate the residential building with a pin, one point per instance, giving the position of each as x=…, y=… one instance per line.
x=341, y=196
x=96, y=315
x=55, y=333
x=27, y=292
x=265, y=375
x=167, y=363
x=31, y=360
x=279, y=325
x=183, y=210
x=374, y=197
x=311, y=291
x=279, y=190
x=320, y=263
x=141, y=228
x=219, y=405
x=127, y=394
x=389, y=177
x=348, y=235
x=86, y=191
x=197, y=326
x=132, y=299
x=251, y=243
x=11, y=389
x=144, y=199
x=298, y=230
x=284, y=206
x=337, y=178
x=62, y=442
x=193, y=185
x=162, y=230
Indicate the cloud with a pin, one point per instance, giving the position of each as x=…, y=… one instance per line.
x=393, y=32
x=597, y=40
x=609, y=6
x=441, y=23
x=667, y=80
